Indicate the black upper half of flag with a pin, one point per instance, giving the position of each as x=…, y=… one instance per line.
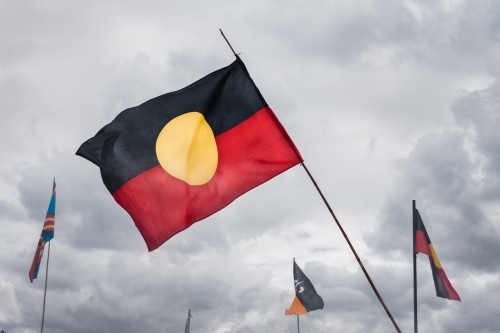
x=126, y=147
x=304, y=290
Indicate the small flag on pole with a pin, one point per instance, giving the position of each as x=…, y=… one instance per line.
x=46, y=236
x=423, y=244
x=306, y=298
x=188, y=322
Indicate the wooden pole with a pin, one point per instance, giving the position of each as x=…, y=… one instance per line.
x=45, y=292
x=353, y=251
x=228, y=43
x=342, y=230
x=415, y=321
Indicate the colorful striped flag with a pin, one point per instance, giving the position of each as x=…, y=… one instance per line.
x=47, y=235
x=423, y=244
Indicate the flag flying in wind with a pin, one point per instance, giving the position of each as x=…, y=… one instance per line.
x=47, y=235
x=188, y=322
x=306, y=299
x=423, y=244
x=180, y=157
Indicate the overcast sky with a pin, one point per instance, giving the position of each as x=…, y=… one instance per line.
x=387, y=101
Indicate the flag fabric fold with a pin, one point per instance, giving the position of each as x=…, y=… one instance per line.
x=180, y=157
x=306, y=298
x=423, y=245
x=46, y=235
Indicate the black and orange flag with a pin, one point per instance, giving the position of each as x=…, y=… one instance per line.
x=423, y=244
x=180, y=157
x=306, y=298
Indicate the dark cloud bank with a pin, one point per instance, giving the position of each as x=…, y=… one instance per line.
x=102, y=278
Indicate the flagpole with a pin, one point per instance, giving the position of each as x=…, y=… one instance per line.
x=341, y=229
x=45, y=292
x=415, y=321
x=353, y=250
x=228, y=43
x=298, y=326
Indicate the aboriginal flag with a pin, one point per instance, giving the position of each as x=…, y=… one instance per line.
x=180, y=157
x=46, y=236
x=306, y=299
x=423, y=244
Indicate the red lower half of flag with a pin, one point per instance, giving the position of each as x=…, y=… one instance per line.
x=249, y=154
x=37, y=259
x=449, y=291
x=421, y=245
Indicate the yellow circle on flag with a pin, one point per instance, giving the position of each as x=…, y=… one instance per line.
x=186, y=149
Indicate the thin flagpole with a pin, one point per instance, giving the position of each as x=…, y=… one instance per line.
x=353, y=251
x=298, y=327
x=45, y=292
x=228, y=43
x=341, y=229
x=415, y=321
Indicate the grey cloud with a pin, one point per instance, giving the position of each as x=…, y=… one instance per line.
x=338, y=75
x=437, y=171
x=437, y=175
x=83, y=215
x=10, y=212
x=438, y=35
x=478, y=113
x=453, y=176
x=165, y=294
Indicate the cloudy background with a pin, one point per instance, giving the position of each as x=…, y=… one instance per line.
x=388, y=101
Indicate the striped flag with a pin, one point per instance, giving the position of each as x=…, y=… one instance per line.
x=423, y=245
x=47, y=235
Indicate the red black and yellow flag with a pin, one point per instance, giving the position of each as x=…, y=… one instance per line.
x=423, y=244
x=306, y=298
x=182, y=156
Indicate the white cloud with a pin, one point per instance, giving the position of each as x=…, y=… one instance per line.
x=9, y=309
x=387, y=101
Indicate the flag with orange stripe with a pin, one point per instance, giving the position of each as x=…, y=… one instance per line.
x=306, y=298
x=423, y=244
x=46, y=236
